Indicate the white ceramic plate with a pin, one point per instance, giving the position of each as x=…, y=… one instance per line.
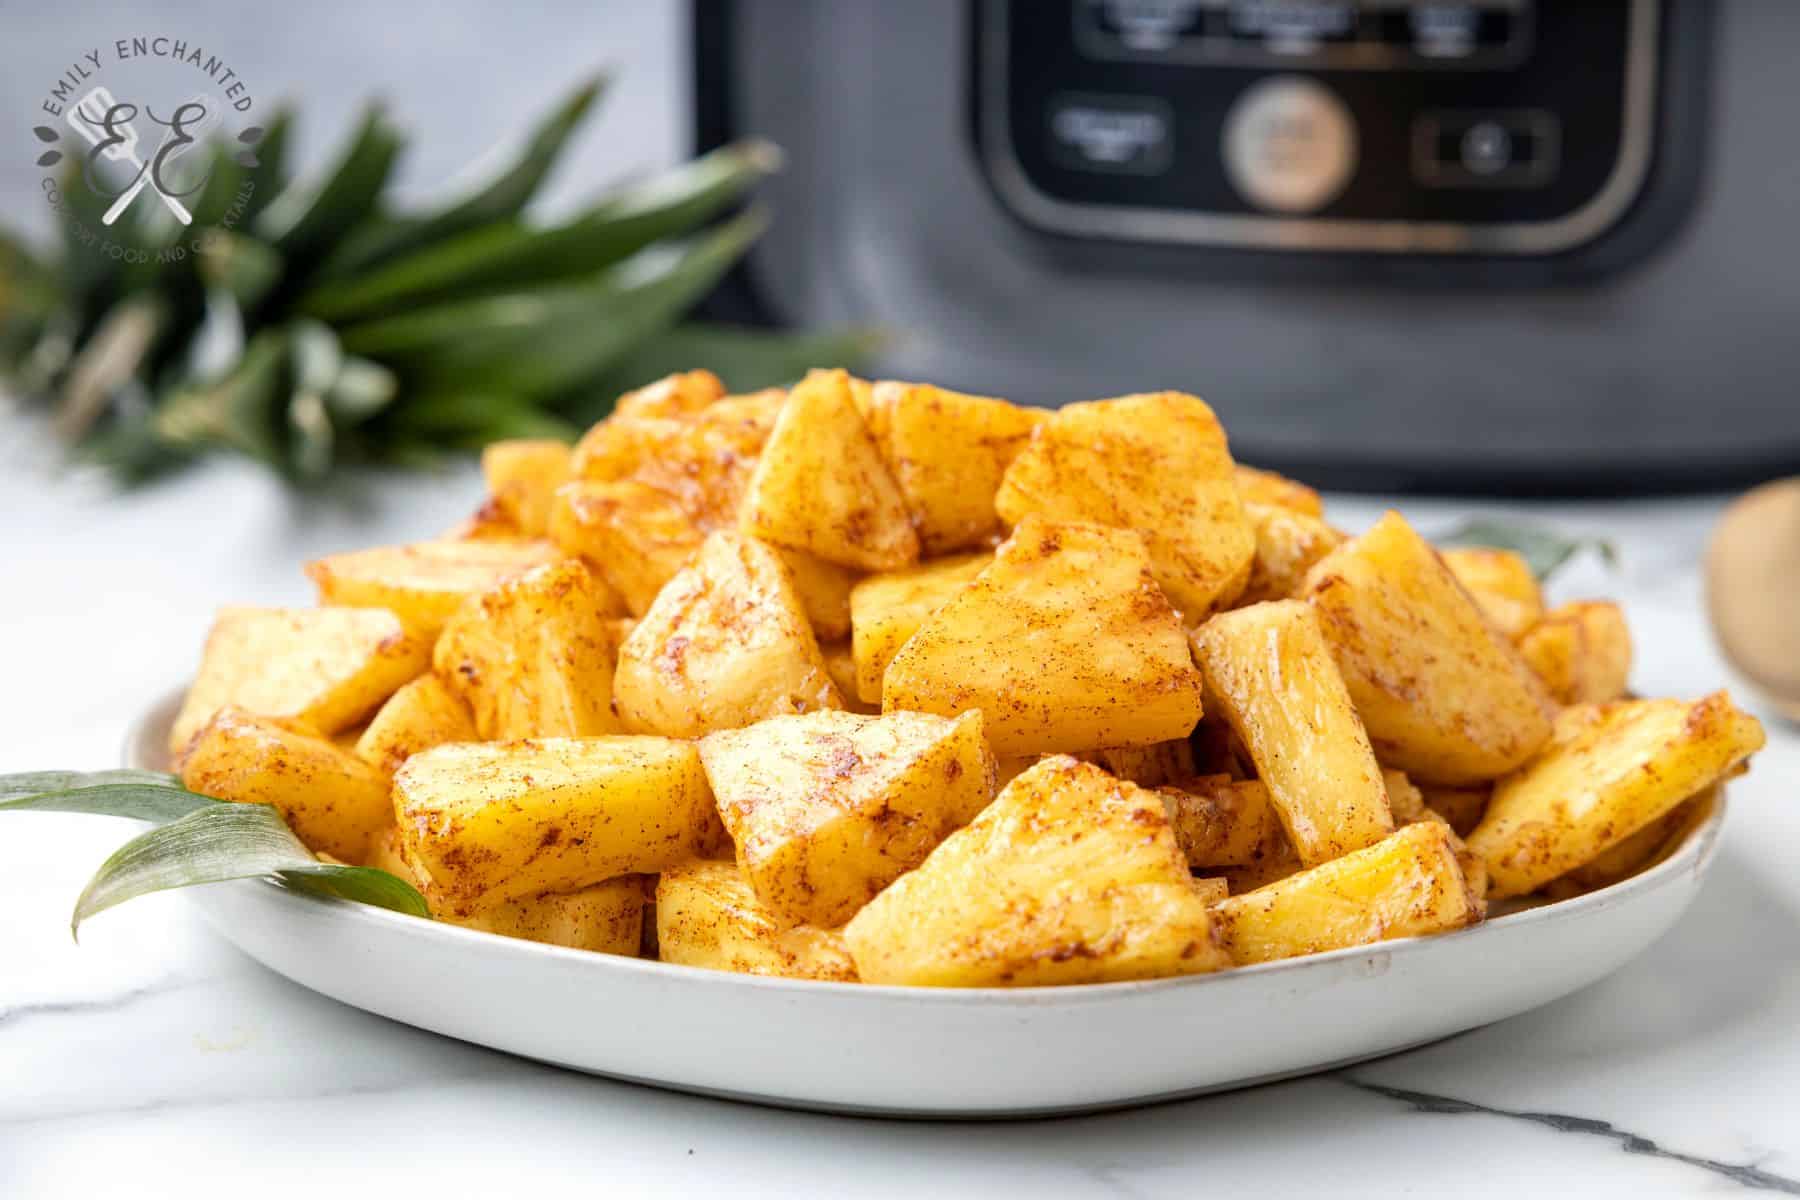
x=941, y=1052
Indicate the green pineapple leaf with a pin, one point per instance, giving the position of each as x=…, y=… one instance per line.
x=500, y=199
x=141, y=795
x=1544, y=550
x=244, y=410
x=304, y=223
x=507, y=256
x=220, y=842
x=533, y=343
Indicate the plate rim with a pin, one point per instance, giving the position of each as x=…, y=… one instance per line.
x=1694, y=855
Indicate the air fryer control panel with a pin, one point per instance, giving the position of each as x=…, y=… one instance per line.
x=1505, y=128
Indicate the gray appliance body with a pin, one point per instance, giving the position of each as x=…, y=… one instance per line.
x=1651, y=349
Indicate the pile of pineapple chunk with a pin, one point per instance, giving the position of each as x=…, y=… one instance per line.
x=891, y=684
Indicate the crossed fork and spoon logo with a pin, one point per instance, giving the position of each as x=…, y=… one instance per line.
x=108, y=126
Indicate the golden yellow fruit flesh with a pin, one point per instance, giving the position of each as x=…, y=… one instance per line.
x=726, y=643
x=1502, y=585
x=1221, y=822
x=1610, y=770
x=1065, y=643
x=1582, y=652
x=424, y=583
x=1273, y=678
x=607, y=918
x=333, y=801
x=522, y=476
x=887, y=609
x=323, y=669
x=821, y=485
x=828, y=808
x=1444, y=696
x=533, y=656
x=1288, y=544
x=491, y=822
x=1155, y=463
x=948, y=452
x=1069, y=876
x=419, y=716
x=707, y=916
x=1258, y=486
x=1406, y=885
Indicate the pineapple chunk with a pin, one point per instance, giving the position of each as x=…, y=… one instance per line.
x=486, y=524
x=1461, y=807
x=607, y=918
x=636, y=536
x=703, y=461
x=1008, y=769
x=1406, y=801
x=321, y=668
x=533, y=656
x=1636, y=853
x=423, y=714
x=830, y=807
x=386, y=853
x=487, y=823
x=1221, y=822
x=1070, y=876
x=1148, y=766
x=522, y=476
x=424, y=583
x=1406, y=885
x=948, y=452
x=1288, y=543
x=1154, y=463
x=840, y=664
x=333, y=801
x=824, y=591
x=1501, y=584
x=1582, y=652
x=725, y=644
x=1065, y=644
x=680, y=395
x=821, y=485
x=707, y=916
x=1443, y=695
x=1257, y=486
x=1609, y=771
x=887, y=609
x=1274, y=680
x=1275, y=860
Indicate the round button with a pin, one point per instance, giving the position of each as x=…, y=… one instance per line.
x=1289, y=145
x=1486, y=148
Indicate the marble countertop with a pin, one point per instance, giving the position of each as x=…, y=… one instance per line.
x=153, y=1059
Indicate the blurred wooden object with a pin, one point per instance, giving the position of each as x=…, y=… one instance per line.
x=1753, y=590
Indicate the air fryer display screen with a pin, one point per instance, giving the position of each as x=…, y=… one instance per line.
x=1494, y=127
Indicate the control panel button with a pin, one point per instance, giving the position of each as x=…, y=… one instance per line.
x=1336, y=34
x=1287, y=27
x=1515, y=148
x=1486, y=148
x=1289, y=145
x=1111, y=133
x=1149, y=26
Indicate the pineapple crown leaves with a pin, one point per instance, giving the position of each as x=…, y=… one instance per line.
x=314, y=327
x=194, y=839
